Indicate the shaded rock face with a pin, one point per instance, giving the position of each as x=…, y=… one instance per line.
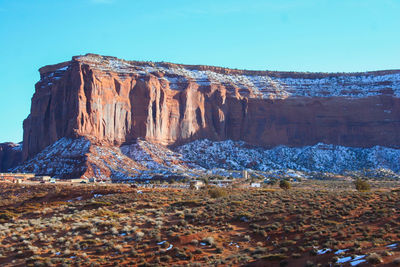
x=114, y=102
x=10, y=156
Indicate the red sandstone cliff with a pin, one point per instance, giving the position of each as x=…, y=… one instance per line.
x=115, y=101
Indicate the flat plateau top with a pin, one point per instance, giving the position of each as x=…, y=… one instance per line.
x=259, y=84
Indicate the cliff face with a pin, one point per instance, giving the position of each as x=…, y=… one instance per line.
x=113, y=102
x=10, y=156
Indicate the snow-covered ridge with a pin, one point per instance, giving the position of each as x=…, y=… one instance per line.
x=79, y=157
x=237, y=155
x=259, y=85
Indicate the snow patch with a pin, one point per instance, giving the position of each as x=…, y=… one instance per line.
x=323, y=251
x=344, y=259
x=340, y=251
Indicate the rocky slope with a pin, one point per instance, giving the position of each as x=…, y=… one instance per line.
x=94, y=108
x=82, y=157
x=10, y=156
x=71, y=158
x=238, y=155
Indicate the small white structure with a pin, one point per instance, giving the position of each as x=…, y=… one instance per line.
x=196, y=184
x=255, y=185
x=79, y=180
x=245, y=174
x=17, y=181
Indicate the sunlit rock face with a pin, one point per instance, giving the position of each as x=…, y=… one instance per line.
x=113, y=102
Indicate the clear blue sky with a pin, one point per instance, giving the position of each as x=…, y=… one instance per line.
x=292, y=35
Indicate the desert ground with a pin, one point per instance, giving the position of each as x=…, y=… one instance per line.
x=315, y=223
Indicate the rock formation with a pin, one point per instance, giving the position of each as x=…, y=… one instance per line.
x=10, y=156
x=111, y=103
x=115, y=101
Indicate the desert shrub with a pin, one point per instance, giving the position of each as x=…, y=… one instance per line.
x=139, y=236
x=165, y=244
x=243, y=216
x=362, y=185
x=208, y=240
x=296, y=255
x=182, y=255
x=6, y=216
x=258, y=250
x=133, y=252
x=118, y=248
x=314, y=252
x=285, y=184
x=396, y=261
x=114, y=231
x=263, y=233
x=165, y=258
x=283, y=250
x=217, y=192
x=274, y=257
x=374, y=258
x=106, y=213
x=386, y=253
